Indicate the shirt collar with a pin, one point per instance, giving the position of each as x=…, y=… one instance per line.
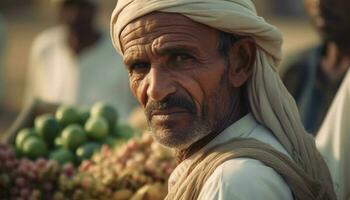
x=240, y=129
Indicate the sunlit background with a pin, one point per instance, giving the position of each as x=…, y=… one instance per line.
x=24, y=19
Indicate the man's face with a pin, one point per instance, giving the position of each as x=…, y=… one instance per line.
x=78, y=15
x=312, y=8
x=178, y=76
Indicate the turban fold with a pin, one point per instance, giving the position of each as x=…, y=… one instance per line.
x=270, y=102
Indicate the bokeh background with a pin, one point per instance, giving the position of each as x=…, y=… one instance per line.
x=24, y=19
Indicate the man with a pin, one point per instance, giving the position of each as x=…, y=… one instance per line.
x=204, y=72
x=314, y=75
x=74, y=63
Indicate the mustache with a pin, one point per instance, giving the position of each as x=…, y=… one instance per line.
x=172, y=101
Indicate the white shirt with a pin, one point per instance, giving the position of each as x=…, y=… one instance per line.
x=58, y=75
x=241, y=178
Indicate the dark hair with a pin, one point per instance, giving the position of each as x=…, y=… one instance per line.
x=225, y=42
x=336, y=27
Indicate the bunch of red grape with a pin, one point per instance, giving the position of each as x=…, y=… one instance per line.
x=7, y=163
x=25, y=179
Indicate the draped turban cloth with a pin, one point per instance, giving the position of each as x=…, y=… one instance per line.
x=270, y=102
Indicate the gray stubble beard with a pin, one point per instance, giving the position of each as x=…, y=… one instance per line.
x=183, y=139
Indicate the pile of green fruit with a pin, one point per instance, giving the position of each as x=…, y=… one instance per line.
x=72, y=135
x=76, y=154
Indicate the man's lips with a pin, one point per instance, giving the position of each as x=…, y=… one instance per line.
x=168, y=112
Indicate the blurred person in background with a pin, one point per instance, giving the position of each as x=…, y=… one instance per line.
x=74, y=63
x=2, y=62
x=287, y=8
x=333, y=140
x=314, y=76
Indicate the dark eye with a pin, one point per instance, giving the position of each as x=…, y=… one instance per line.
x=181, y=57
x=139, y=67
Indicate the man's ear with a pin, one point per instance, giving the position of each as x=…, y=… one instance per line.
x=241, y=61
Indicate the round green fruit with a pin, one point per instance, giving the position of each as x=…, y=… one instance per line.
x=73, y=136
x=62, y=156
x=84, y=115
x=97, y=128
x=58, y=142
x=123, y=131
x=34, y=147
x=86, y=151
x=47, y=127
x=23, y=135
x=66, y=115
x=102, y=109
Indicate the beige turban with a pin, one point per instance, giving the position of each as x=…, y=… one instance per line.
x=270, y=102
x=333, y=140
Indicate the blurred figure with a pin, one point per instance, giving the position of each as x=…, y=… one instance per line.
x=74, y=63
x=287, y=8
x=2, y=62
x=314, y=76
x=333, y=140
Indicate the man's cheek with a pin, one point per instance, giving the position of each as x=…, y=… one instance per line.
x=134, y=89
x=140, y=92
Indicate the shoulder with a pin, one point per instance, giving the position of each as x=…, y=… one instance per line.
x=300, y=62
x=105, y=53
x=262, y=134
x=48, y=38
x=301, y=58
x=245, y=179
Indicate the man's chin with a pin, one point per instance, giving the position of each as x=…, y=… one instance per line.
x=177, y=139
x=172, y=122
x=171, y=143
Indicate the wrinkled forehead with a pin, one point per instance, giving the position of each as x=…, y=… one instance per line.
x=157, y=18
x=168, y=25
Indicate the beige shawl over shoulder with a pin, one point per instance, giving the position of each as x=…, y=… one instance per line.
x=270, y=102
x=303, y=186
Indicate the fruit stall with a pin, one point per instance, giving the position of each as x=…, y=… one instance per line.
x=75, y=154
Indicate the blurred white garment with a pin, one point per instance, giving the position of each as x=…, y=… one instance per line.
x=58, y=75
x=333, y=140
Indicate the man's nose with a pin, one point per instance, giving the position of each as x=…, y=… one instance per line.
x=160, y=85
